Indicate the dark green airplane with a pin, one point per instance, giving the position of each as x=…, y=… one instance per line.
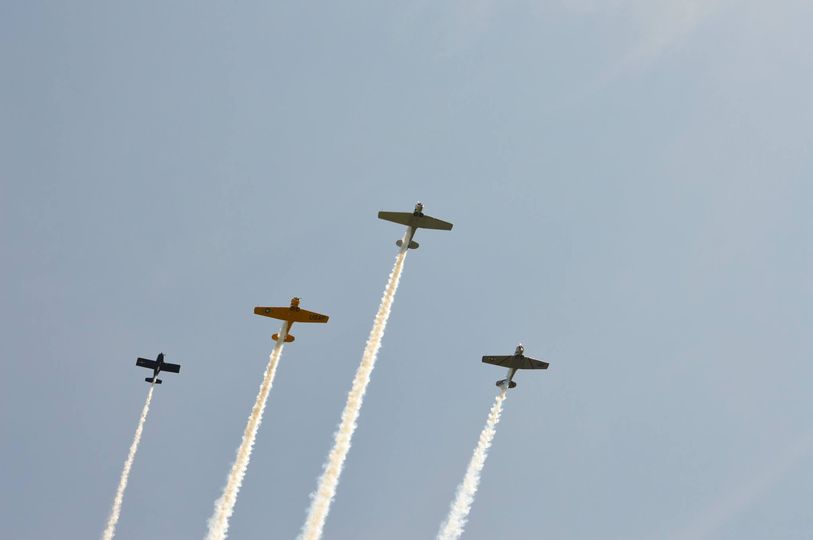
x=414, y=220
x=514, y=362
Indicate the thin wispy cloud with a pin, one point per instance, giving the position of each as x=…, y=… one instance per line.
x=662, y=26
x=653, y=27
x=739, y=498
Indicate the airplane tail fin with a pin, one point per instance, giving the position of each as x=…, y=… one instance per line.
x=289, y=338
x=412, y=244
x=150, y=379
x=511, y=384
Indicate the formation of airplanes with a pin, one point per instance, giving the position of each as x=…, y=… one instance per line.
x=293, y=313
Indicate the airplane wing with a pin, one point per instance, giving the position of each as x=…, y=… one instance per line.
x=304, y=316
x=426, y=222
x=411, y=220
x=149, y=364
x=535, y=364
x=516, y=362
x=172, y=368
x=404, y=218
x=288, y=314
x=273, y=312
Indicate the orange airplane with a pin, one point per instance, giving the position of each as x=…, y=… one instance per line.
x=291, y=314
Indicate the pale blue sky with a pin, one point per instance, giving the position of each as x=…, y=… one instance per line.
x=630, y=184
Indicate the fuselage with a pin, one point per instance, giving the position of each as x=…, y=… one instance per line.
x=411, y=228
x=410, y=233
x=509, y=380
x=160, y=365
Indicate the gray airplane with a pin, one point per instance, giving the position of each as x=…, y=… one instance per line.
x=514, y=362
x=414, y=220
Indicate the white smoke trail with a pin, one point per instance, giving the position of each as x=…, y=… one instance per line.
x=452, y=528
x=326, y=490
x=110, y=530
x=224, y=506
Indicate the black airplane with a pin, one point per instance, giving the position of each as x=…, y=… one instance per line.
x=514, y=362
x=158, y=365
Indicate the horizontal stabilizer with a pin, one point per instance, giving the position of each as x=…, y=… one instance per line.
x=150, y=379
x=511, y=384
x=412, y=244
x=288, y=338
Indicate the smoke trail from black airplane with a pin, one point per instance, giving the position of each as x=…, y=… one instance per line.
x=110, y=529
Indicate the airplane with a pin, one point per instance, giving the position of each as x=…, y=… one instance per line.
x=413, y=221
x=291, y=314
x=514, y=362
x=158, y=365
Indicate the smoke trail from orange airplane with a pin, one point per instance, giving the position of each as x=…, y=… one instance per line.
x=452, y=528
x=224, y=506
x=332, y=470
x=110, y=530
